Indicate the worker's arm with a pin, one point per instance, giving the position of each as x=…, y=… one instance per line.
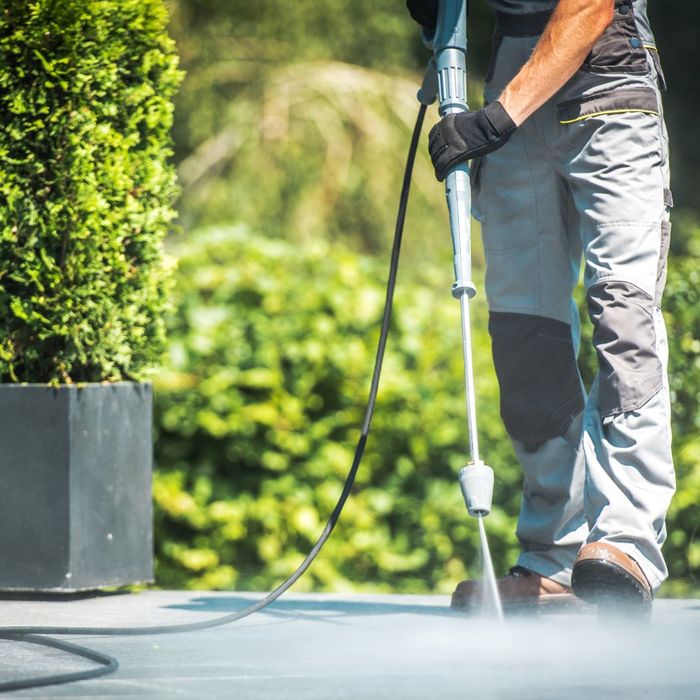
x=568, y=38
x=573, y=30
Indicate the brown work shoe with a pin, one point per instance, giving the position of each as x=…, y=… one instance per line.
x=606, y=576
x=519, y=586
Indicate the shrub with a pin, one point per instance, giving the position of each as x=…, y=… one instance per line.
x=682, y=311
x=85, y=187
x=271, y=351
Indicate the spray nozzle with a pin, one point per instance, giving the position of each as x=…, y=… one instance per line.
x=476, y=482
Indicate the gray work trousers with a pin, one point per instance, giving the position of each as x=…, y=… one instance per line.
x=585, y=178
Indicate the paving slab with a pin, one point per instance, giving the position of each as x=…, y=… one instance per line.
x=360, y=646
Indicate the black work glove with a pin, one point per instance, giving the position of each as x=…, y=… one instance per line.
x=463, y=135
x=424, y=12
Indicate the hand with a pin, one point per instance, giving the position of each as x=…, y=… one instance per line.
x=424, y=12
x=463, y=135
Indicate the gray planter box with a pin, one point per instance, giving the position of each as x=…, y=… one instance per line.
x=75, y=486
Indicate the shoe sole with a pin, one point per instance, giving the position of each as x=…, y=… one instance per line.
x=542, y=605
x=609, y=586
x=546, y=604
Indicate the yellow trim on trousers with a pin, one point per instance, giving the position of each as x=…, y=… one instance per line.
x=608, y=111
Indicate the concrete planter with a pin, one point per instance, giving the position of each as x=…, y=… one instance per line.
x=75, y=486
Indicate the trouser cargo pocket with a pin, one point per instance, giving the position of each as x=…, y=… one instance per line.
x=619, y=49
x=633, y=99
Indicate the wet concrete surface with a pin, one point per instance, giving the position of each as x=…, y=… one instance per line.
x=361, y=646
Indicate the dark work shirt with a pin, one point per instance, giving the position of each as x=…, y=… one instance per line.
x=523, y=6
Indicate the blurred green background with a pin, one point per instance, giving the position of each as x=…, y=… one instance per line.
x=291, y=132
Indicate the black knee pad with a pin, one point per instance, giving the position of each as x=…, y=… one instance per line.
x=624, y=336
x=535, y=362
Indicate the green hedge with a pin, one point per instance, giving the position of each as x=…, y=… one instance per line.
x=682, y=311
x=271, y=350
x=85, y=187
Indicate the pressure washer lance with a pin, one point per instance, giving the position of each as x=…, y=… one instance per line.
x=446, y=78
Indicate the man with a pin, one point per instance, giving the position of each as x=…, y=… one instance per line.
x=571, y=162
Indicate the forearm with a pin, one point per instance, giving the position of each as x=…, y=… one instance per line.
x=570, y=35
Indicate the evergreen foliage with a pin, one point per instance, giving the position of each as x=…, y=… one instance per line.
x=682, y=312
x=85, y=187
x=258, y=412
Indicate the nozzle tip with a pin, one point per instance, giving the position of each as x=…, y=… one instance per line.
x=476, y=481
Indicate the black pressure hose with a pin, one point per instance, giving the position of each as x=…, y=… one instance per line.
x=108, y=664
